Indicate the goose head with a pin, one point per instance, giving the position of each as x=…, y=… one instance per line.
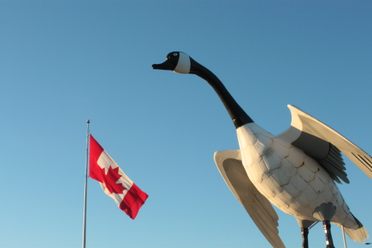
x=176, y=61
x=182, y=63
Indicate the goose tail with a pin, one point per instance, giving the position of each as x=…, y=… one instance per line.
x=358, y=234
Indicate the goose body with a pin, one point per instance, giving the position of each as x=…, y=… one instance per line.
x=288, y=178
x=295, y=171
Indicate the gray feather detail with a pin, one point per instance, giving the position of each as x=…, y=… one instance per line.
x=334, y=165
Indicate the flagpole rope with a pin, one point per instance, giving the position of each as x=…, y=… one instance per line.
x=86, y=188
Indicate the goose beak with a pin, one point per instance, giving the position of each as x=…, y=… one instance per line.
x=159, y=66
x=166, y=65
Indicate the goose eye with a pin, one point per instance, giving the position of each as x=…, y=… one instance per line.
x=175, y=54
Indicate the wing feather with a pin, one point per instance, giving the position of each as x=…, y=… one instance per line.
x=325, y=145
x=258, y=207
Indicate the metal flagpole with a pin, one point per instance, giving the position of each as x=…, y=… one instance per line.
x=86, y=189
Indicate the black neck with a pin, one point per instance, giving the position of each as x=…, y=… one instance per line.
x=237, y=114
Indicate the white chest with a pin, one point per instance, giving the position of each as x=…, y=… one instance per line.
x=254, y=143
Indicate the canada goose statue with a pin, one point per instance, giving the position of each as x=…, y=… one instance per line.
x=295, y=171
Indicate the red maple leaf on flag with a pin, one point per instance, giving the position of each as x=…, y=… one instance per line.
x=110, y=180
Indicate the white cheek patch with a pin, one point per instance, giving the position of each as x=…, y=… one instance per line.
x=184, y=64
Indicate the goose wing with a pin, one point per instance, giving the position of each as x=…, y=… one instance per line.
x=258, y=207
x=325, y=145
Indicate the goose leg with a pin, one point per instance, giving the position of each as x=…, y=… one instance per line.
x=325, y=212
x=305, y=227
x=305, y=233
x=327, y=231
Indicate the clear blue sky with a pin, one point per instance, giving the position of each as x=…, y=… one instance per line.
x=62, y=62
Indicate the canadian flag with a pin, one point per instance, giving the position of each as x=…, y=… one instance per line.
x=114, y=182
